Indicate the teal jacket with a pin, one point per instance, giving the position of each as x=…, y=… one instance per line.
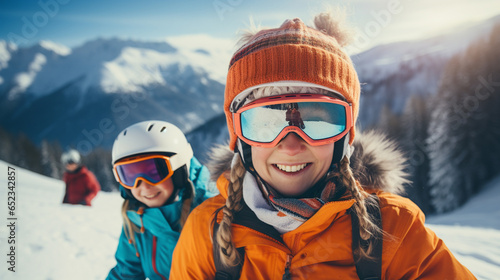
x=156, y=245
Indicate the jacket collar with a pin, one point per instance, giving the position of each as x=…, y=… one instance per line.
x=158, y=220
x=246, y=218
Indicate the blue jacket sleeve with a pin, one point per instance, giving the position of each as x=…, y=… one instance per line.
x=200, y=176
x=128, y=265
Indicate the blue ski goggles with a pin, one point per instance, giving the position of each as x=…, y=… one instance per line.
x=316, y=118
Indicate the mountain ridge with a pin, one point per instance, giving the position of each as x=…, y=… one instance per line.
x=51, y=92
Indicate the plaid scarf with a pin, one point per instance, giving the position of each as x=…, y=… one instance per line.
x=300, y=209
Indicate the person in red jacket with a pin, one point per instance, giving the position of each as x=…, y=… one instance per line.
x=81, y=184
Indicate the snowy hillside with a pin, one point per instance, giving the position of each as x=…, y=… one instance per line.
x=391, y=73
x=204, y=138
x=84, y=96
x=55, y=241
x=111, y=65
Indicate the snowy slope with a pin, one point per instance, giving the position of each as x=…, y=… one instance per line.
x=391, y=73
x=385, y=60
x=5, y=54
x=54, y=93
x=209, y=53
x=110, y=65
x=69, y=91
x=473, y=232
x=56, y=241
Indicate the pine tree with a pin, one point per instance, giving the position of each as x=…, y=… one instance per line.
x=51, y=154
x=99, y=162
x=443, y=176
x=27, y=154
x=390, y=124
x=463, y=141
x=415, y=121
x=6, y=146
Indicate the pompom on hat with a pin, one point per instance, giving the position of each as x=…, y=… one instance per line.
x=293, y=54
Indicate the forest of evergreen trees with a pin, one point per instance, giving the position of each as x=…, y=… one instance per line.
x=452, y=139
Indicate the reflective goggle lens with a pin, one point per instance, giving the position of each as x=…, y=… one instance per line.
x=153, y=170
x=318, y=117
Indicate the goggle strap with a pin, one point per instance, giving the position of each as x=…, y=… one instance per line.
x=340, y=149
x=175, y=162
x=179, y=160
x=116, y=174
x=162, y=168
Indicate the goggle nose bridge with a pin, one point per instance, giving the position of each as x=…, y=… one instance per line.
x=292, y=127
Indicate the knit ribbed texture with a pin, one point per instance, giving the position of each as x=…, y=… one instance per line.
x=293, y=52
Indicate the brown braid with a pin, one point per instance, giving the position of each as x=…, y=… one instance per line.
x=367, y=227
x=128, y=226
x=188, y=196
x=228, y=254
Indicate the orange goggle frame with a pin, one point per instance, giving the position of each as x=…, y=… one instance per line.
x=316, y=118
x=153, y=169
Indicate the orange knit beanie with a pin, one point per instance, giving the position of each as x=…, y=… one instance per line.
x=292, y=52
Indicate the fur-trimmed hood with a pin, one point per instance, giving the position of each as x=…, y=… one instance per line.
x=376, y=162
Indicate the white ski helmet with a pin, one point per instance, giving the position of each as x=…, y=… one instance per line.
x=150, y=137
x=71, y=156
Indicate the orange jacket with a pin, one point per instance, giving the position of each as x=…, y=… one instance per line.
x=321, y=247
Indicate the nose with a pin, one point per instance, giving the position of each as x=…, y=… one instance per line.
x=144, y=184
x=292, y=144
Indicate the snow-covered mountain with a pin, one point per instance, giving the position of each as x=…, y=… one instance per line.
x=203, y=138
x=391, y=73
x=111, y=65
x=85, y=96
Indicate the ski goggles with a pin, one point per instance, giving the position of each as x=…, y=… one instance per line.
x=153, y=169
x=316, y=118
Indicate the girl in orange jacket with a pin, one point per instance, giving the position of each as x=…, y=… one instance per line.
x=297, y=201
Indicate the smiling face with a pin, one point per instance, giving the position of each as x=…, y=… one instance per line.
x=292, y=166
x=71, y=167
x=153, y=196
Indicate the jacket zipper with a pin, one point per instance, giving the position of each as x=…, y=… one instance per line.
x=269, y=238
x=153, y=259
x=287, y=274
x=289, y=256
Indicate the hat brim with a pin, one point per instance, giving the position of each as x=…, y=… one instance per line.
x=239, y=100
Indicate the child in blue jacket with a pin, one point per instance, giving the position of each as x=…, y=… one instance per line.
x=161, y=182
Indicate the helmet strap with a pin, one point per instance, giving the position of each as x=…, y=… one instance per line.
x=180, y=182
x=245, y=152
x=340, y=150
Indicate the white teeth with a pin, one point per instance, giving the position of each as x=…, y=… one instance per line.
x=151, y=196
x=291, y=168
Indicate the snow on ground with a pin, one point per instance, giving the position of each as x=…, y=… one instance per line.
x=55, y=241
x=473, y=232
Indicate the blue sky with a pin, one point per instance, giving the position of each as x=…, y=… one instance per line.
x=72, y=22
